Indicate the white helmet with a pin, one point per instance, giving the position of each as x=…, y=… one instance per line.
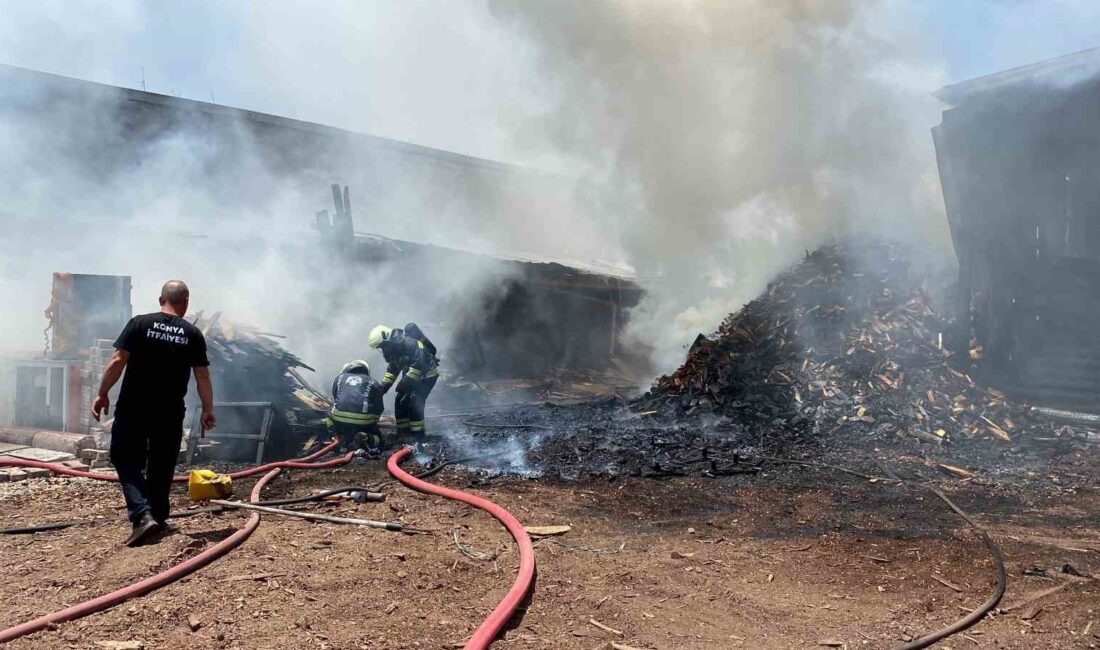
x=379, y=334
x=358, y=364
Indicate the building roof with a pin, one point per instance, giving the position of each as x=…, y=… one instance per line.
x=1063, y=70
x=9, y=73
x=603, y=269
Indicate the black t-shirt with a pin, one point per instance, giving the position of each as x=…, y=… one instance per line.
x=163, y=349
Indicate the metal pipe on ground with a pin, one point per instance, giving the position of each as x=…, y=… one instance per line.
x=312, y=516
x=367, y=496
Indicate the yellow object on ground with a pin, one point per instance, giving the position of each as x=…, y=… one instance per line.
x=205, y=484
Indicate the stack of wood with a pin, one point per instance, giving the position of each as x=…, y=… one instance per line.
x=249, y=365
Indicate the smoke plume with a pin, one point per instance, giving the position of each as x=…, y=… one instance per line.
x=720, y=139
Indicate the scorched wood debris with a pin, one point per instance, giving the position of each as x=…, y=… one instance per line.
x=847, y=338
x=249, y=365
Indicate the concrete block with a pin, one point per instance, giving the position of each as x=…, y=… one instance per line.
x=90, y=455
x=4, y=478
x=96, y=464
x=37, y=472
x=60, y=441
x=16, y=475
x=76, y=464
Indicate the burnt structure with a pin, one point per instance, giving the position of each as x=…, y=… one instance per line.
x=1019, y=161
x=528, y=318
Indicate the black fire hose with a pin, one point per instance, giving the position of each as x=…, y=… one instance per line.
x=375, y=497
x=447, y=463
x=987, y=606
x=41, y=528
x=371, y=496
x=998, y=558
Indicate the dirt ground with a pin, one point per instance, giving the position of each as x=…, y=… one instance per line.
x=789, y=558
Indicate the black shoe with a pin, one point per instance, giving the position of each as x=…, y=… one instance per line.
x=142, y=530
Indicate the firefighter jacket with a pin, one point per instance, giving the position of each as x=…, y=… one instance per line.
x=406, y=354
x=356, y=399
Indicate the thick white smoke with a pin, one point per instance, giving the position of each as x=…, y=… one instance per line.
x=706, y=143
x=720, y=139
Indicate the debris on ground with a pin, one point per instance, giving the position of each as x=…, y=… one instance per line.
x=847, y=339
x=842, y=352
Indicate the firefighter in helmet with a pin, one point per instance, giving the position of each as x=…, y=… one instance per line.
x=407, y=351
x=356, y=406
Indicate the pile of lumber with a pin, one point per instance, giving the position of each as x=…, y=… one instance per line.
x=249, y=365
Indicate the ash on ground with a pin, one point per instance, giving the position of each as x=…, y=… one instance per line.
x=841, y=355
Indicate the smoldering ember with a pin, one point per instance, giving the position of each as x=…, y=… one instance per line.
x=748, y=345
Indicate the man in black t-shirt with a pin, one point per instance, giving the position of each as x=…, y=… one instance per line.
x=158, y=352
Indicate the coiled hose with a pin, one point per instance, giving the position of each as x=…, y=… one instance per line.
x=492, y=625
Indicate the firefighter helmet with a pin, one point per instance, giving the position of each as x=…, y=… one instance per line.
x=358, y=364
x=379, y=334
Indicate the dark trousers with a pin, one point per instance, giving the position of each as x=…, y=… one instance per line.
x=408, y=409
x=144, y=450
x=355, y=436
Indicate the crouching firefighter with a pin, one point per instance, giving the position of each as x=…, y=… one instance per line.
x=356, y=407
x=407, y=351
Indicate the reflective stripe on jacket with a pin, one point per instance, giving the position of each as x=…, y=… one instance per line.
x=406, y=354
x=356, y=399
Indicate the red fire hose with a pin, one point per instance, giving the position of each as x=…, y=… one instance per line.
x=492, y=625
x=149, y=584
x=180, y=570
x=299, y=463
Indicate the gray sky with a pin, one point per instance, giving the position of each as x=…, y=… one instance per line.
x=446, y=75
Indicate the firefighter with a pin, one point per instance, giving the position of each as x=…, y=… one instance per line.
x=407, y=351
x=356, y=407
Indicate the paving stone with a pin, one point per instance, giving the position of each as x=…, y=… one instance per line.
x=16, y=475
x=4, y=478
x=37, y=472
x=76, y=464
x=41, y=455
x=5, y=447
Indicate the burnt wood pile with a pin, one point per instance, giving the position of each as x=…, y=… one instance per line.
x=846, y=341
x=249, y=365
